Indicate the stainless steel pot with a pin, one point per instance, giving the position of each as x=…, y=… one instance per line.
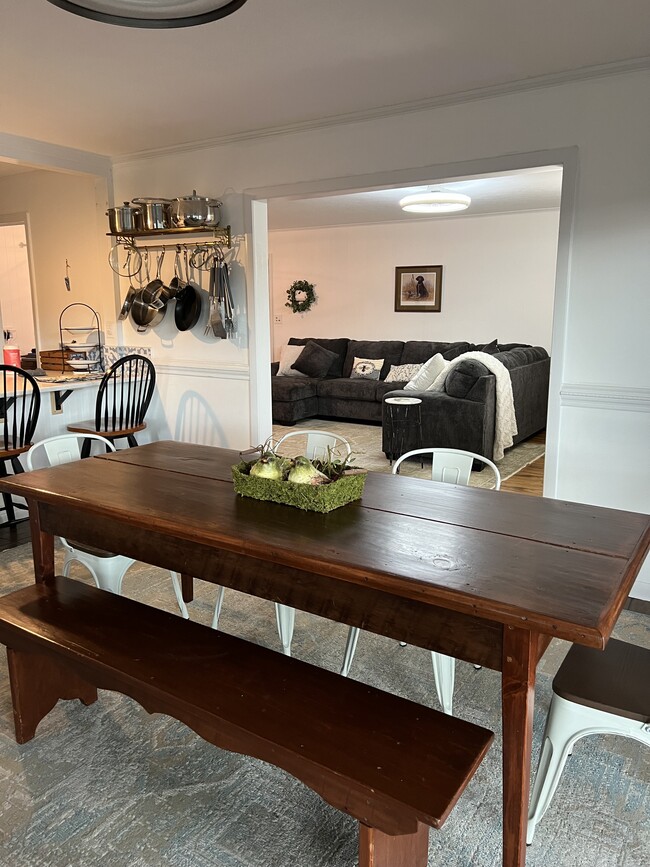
x=190, y=211
x=145, y=315
x=124, y=219
x=214, y=214
x=155, y=214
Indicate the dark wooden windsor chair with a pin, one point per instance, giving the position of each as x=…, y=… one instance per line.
x=20, y=404
x=123, y=399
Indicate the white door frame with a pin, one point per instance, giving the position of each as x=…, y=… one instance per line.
x=258, y=297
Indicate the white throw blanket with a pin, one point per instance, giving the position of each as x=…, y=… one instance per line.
x=505, y=425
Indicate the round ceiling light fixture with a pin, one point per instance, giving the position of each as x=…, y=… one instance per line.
x=435, y=202
x=153, y=14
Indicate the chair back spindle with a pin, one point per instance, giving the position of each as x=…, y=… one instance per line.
x=20, y=403
x=124, y=394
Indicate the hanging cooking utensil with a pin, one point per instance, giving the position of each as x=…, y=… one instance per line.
x=215, y=325
x=176, y=282
x=188, y=302
x=128, y=301
x=152, y=292
x=125, y=259
x=229, y=307
x=146, y=315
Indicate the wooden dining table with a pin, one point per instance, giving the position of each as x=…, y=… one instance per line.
x=487, y=577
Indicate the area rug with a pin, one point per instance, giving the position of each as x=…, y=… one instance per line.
x=111, y=785
x=365, y=441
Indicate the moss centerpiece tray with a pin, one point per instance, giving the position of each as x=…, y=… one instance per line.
x=312, y=498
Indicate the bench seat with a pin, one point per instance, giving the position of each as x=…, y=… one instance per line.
x=394, y=765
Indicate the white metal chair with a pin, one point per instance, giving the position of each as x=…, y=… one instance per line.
x=453, y=466
x=594, y=692
x=108, y=570
x=318, y=443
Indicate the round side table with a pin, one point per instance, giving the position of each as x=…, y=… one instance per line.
x=405, y=424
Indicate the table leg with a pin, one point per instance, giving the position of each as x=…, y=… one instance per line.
x=380, y=850
x=520, y=656
x=42, y=545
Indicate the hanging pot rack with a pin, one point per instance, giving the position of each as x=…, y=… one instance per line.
x=221, y=236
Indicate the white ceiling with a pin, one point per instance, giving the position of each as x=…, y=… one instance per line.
x=114, y=90
x=526, y=190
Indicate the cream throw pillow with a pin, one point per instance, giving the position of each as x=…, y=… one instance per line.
x=402, y=372
x=288, y=355
x=428, y=374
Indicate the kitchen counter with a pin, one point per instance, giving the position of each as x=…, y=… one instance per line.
x=82, y=391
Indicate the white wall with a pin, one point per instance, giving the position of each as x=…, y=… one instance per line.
x=605, y=338
x=498, y=279
x=66, y=220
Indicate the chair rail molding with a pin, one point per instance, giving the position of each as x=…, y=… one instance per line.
x=204, y=370
x=605, y=396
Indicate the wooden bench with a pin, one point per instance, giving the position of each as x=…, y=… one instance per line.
x=395, y=766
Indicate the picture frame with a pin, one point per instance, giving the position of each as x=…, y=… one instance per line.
x=418, y=289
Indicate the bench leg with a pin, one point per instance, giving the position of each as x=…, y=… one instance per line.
x=380, y=850
x=37, y=684
x=187, y=586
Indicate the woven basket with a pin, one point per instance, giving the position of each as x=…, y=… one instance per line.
x=311, y=498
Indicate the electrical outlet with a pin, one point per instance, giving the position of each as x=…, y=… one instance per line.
x=278, y=319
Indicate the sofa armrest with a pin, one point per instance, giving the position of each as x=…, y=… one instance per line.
x=448, y=422
x=275, y=366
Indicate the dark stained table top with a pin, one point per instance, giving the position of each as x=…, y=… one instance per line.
x=564, y=569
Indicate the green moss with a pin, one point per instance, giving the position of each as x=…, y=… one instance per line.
x=311, y=498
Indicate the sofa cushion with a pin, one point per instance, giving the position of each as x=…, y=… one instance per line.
x=347, y=389
x=521, y=355
x=461, y=379
x=314, y=360
x=430, y=371
x=389, y=350
x=339, y=345
x=419, y=351
x=289, y=354
x=455, y=350
x=292, y=387
x=490, y=348
x=505, y=347
x=402, y=372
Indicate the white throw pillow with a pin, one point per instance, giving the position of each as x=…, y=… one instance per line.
x=430, y=371
x=402, y=372
x=366, y=368
x=288, y=355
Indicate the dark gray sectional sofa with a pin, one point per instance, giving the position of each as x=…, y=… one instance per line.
x=462, y=416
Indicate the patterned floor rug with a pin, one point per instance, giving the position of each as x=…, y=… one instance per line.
x=111, y=785
x=365, y=440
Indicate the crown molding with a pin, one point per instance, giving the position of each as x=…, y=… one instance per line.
x=408, y=222
x=603, y=70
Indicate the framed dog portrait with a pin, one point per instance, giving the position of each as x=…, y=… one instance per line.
x=418, y=289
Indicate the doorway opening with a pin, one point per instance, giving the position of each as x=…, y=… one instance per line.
x=16, y=295
x=562, y=160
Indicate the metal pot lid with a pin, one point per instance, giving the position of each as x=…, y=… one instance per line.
x=194, y=198
x=152, y=200
x=125, y=207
